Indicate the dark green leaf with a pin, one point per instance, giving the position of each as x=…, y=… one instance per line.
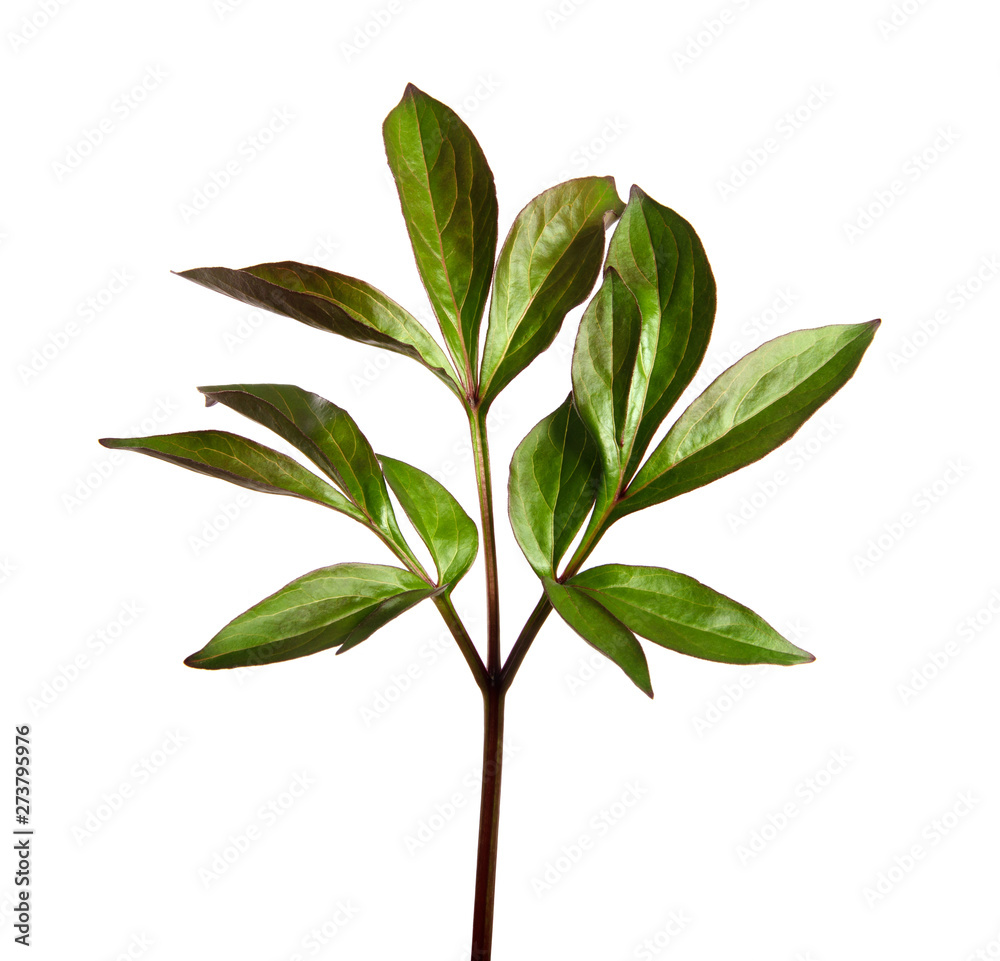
x=327, y=435
x=333, y=606
x=661, y=260
x=678, y=612
x=449, y=204
x=449, y=533
x=749, y=410
x=601, y=629
x=603, y=365
x=554, y=475
x=332, y=302
x=240, y=461
x=548, y=265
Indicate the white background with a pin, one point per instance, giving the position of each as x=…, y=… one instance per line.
x=777, y=811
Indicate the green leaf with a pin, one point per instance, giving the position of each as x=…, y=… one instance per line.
x=749, y=410
x=449, y=204
x=678, y=612
x=332, y=302
x=548, y=265
x=449, y=533
x=601, y=629
x=554, y=475
x=333, y=606
x=603, y=365
x=661, y=260
x=327, y=435
x=240, y=461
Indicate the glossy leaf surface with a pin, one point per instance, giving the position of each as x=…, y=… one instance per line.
x=548, y=264
x=241, y=461
x=326, y=434
x=333, y=606
x=749, y=410
x=678, y=612
x=554, y=475
x=661, y=260
x=446, y=529
x=449, y=204
x=603, y=364
x=601, y=629
x=332, y=302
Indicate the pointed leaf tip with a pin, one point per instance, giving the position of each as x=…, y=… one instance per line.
x=330, y=607
x=682, y=614
x=750, y=409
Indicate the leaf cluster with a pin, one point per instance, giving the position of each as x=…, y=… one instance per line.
x=581, y=469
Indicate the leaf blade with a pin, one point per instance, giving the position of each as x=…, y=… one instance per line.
x=602, y=630
x=749, y=410
x=240, y=461
x=603, y=367
x=662, y=261
x=680, y=613
x=449, y=203
x=449, y=533
x=547, y=265
x=331, y=302
x=327, y=435
x=554, y=475
x=331, y=606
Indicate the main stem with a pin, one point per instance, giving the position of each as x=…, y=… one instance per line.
x=489, y=823
x=493, y=702
x=481, y=453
